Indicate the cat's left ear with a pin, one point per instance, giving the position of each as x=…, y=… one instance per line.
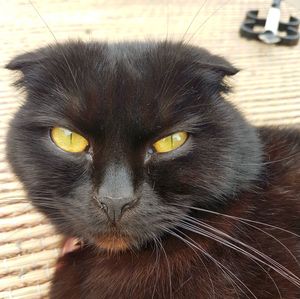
x=220, y=66
x=212, y=71
x=24, y=62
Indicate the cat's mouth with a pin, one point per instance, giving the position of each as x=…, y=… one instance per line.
x=112, y=242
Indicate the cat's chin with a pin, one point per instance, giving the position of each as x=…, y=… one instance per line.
x=112, y=243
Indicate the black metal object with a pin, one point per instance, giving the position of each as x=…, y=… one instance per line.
x=290, y=28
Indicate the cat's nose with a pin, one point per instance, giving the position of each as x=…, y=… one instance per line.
x=114, y=208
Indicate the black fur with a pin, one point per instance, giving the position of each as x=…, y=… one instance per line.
x=123, y=97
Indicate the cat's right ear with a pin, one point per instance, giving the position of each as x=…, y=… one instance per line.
x=24, y=62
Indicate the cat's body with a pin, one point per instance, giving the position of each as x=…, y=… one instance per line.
x=217, y=217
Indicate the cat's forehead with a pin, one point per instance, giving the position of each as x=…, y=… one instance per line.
x=133, y=86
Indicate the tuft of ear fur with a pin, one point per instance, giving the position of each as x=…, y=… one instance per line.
x=24, y=61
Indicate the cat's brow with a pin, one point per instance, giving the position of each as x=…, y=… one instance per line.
x=191, y=124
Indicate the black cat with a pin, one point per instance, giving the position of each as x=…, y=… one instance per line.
x=132, y=149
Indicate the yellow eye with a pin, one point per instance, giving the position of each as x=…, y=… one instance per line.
x=68, y=141
x=170, y=142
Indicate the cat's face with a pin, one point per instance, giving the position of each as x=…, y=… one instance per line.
x=122, y=99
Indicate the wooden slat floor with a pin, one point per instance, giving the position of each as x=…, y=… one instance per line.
x=267, y=90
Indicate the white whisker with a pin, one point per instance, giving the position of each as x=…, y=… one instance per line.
x=280, y=269
x=223, y=268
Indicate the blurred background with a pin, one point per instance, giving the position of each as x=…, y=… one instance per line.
x=267, y=90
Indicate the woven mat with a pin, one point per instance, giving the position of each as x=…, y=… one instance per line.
x=267, y=90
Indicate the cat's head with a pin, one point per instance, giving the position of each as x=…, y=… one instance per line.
x=113, y=139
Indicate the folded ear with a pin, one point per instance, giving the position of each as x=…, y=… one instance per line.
x=31, y=65
x=213, y=70
x=25, y=61
x=219, y=65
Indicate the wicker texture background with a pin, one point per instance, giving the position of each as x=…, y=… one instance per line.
x=267, y=91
